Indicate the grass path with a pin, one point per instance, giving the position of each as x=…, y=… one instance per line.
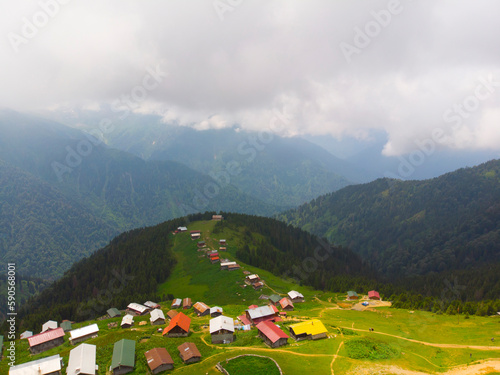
x=335, y=356
x=449, y=346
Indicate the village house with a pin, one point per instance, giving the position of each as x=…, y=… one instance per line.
x=272, y=335
x=178, y=327
x=222, y=243
x=201, y=244
x=152, y=305
x=258, y=285
x=82, y=360
x=252, y=279
x=186, y=303
x=201, y=309
x=225, y=265
x=352, y=295
x=45, y=366
x=215, y=311
x=113, y=312
x=275, y=299
x=222, y=248
x=195, y=234
x=217, y=217
x=262, y=313
x=66, y=325
x=51, y=324
x=46, y=340
x=123, y=360
x=308, y=330
x=233, y=267
x=189, y=353
x=157, y=317
x=159, y=360
x=127, y=321
x=214, y=257
x=286, y=304
x=82, y=334
x=176, y=303
x=372, y=294
x=295, y=296
x=136, y=309
x=171, y=313
x=222, y=330
x=26, y=334
x=182, y=229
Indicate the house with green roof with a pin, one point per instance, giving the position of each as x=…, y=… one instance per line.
x=66, y=326
x=123, y=357
x=352, y=295
x=113, y=312
x=275, y=299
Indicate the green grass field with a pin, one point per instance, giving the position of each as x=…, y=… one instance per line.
x=409, y=341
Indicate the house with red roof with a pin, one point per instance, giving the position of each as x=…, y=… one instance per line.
x=178, y=327
x=372, y=294
x=272, y=335
x=46, y=340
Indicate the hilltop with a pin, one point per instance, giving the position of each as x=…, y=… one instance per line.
x=418, y=341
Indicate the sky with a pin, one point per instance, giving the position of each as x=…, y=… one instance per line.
x=425, y=72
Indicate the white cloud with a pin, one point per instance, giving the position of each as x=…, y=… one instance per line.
x=263, y=56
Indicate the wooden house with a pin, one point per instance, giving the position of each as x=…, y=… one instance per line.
x=352, y=295
x=178, y=327
x=182, y=229
x=214, y=257
x=46, y=340
x=127, y=321
x=295, y=296
x=195, y=234
x=201, y=244
x=82, y=360
x=159, y=360
x=186, y=303
x=275, y=299
x=152, y=305
x=215, y=311
x=222, y=243
x=217, y=217
x=123, y=360
x=262, y=313
x=83, y=333
x=258, y=285
x=201, y=309
x=252, y=279
x=308, y=330
x=157, y=317
x=286, y=304
x=272, y=335
x=225, y=265
x=189, y=353
x=113, y=312
x=373, y=294
x=137, y=309
x=45, y=366
x=222, y=330
x=233, y=267
x=176, y=303
x=171, y=313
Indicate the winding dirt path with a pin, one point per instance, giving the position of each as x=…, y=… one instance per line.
x=449, y=346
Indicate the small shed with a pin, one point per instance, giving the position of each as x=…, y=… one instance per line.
x=113, y=312
x=50, y=324
x=83, y=333
x=272, y=335
x=215, y=311
x=157, y=317
x=82, y=360
x=123, y=360
x=189, y=353
x=176, y=303
x=286, y=304
x=127, y=321
x=186, y=303
x=178, y=327
x=222, y=330
x=352, y=295
x=295, y=296
x=46, y=340
x=201, y=309
x=159, y=360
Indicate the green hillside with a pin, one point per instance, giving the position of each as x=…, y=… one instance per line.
x=407, y=228
x=415, y=341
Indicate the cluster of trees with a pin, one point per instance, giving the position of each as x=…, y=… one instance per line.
x=407, y=228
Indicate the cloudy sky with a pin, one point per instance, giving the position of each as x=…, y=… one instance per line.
x=415, y=70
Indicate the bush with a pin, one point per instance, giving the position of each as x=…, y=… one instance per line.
x=367, y=348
